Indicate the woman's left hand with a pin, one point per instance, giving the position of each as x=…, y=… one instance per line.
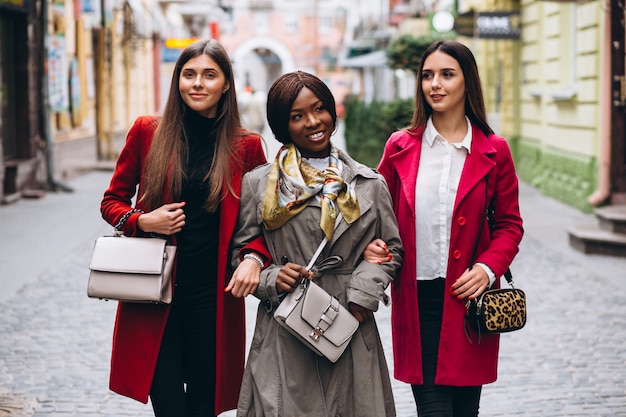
x=360, y=313
x=376, y=252
x=245, y=279
x=470, y=284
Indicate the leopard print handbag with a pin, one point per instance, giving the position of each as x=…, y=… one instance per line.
x=499, y=310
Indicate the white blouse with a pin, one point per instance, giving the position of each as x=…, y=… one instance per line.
x=440, y=167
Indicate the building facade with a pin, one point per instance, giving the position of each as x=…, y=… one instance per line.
x=73, y=77
x=557, y=94
x=23, y=144
x=113, y=56
x=268, y=38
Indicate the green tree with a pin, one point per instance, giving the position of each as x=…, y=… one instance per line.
x=405, y=51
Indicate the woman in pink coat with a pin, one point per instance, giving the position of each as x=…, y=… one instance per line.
x=437, y=170
x=188, y=356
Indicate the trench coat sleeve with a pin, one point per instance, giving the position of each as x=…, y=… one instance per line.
x=248, y=230
x=369, y=281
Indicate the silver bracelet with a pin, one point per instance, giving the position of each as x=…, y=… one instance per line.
x=254, y=258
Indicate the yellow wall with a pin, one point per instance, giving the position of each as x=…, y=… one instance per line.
x=498, y=64
x=560, y=98
x=128, y=89
x=560, y=60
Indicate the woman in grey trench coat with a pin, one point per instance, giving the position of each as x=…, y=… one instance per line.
x=283, y=377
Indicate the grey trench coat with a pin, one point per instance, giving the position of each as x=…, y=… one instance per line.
x=283, y=378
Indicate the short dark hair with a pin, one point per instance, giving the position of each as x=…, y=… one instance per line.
x=283, y=93
x=474, y=102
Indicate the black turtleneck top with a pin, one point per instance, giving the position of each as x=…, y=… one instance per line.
x=197, y=241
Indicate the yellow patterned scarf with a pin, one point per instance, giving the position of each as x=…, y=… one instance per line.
x=292, y=183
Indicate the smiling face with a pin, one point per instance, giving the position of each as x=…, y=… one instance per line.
x=443, y=83
x=310, y=125
x=201, y=85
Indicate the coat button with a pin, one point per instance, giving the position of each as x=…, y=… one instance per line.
x=461, y=221
x=456, y=254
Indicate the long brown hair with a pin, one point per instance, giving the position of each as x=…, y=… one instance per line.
x=474, y=102
x=284, y=92
x=164, y=171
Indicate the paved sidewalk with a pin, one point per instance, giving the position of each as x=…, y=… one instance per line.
x=570, y=360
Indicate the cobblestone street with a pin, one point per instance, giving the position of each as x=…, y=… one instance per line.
x=569, y=360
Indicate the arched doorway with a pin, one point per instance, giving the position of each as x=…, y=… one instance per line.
x=264, y=59
x=257, y=63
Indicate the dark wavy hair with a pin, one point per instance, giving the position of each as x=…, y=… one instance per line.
x=474, y=102
x=283, y=93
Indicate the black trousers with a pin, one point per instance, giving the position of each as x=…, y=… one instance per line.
x=438, y=400
x=184, y=379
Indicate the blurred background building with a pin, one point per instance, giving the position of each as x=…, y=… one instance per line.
x=75, y=74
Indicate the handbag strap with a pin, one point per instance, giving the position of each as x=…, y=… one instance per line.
x=323, y=243
x=488, y=214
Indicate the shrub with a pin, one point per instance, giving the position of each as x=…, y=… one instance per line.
x=368, y=126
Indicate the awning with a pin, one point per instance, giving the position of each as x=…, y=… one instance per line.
x=372, y=59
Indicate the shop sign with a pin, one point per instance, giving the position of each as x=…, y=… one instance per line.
x=465, y=24
x=489, y=25
x=179, y=43
x=498, y=25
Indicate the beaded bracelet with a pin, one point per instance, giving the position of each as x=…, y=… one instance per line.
x=254, y=258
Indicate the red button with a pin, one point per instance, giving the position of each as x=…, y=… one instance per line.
x=461, y=220
x=456, y=254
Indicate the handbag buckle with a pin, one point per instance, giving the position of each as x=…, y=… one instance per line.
x=316, y=333
x=326, y=320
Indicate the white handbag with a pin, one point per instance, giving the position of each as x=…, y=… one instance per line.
x=132, y=269
x=317, y=318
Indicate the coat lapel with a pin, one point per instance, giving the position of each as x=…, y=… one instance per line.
x=477, y=165
x=406, y=162
x=351, y=171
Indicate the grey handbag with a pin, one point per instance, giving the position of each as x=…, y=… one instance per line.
x=317, y=318
x=132, y=269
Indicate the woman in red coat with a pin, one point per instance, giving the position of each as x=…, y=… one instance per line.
x=437, y=170
x=188, y=356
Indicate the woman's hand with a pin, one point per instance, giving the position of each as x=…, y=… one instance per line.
x=360, y=313
x=376, y=252
x=168, y=219
x=245, y=279
x=470, y=284
x=290, y=276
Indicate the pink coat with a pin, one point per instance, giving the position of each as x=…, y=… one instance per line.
x=139, y=327
x=459, y=362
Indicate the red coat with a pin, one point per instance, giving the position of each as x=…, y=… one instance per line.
x=139, y=327
x=459, y=363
